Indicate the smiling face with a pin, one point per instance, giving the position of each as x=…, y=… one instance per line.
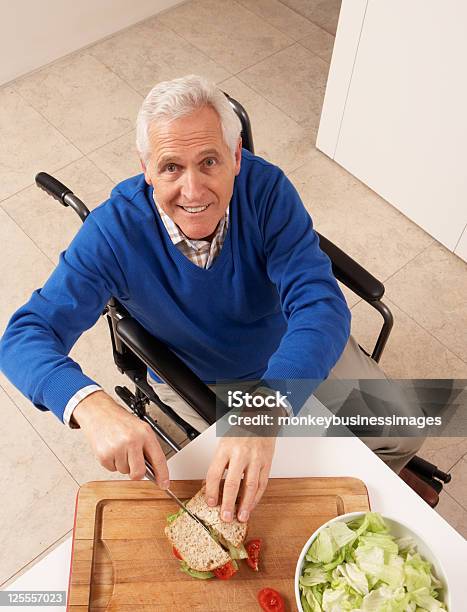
x=192, y=171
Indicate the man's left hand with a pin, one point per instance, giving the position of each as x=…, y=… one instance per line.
x=250, y=457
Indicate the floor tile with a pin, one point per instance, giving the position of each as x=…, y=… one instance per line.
x=281, y=17
x=453, y=513
x=457, y=488
x=306, y=81
x=23, y=267
x=324, y=13
x=150, y=52
x=86, y=101
x=44, y=220
x=311, y=126
x=319, y=42
x=443, y=452
x=118, y=159
x=39, y=494
x=71, y=445
x=235, y=38
x=333, y=178
x=44, y=553
x=27, y=144
x=93, y=353
x=432, y=289
x=356, y=219
x=276, y=136
x=350, y=297
x=411, y=351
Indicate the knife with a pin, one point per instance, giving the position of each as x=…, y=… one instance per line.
x=151, y=476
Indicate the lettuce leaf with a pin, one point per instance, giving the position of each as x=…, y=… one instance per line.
x=186, y=569
x=172, y=517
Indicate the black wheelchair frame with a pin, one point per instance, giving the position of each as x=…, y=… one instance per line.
x=135, y=349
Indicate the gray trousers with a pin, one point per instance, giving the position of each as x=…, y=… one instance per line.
x=354, y=375
x=353, y=365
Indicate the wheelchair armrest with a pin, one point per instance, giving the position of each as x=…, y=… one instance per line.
x=349, y=272
x=157, y=356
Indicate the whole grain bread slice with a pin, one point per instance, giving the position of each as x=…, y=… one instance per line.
x=234, y=532
x=195, y=545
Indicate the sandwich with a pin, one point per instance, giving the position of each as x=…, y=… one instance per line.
x=203, y=555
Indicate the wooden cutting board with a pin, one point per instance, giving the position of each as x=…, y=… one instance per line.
x=121, y=559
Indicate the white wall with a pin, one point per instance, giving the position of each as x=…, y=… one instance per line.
x=396, y=115
x=36, y=32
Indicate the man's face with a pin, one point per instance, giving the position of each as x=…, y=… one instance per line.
x=192, y=171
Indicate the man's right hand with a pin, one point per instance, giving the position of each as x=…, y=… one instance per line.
x=120, y=440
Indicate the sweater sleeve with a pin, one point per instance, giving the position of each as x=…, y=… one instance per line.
x=34, y=348
x=317, y=315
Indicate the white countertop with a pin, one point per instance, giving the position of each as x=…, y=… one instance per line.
x=298, y=457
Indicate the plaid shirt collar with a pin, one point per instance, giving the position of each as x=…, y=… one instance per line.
x=200, y=252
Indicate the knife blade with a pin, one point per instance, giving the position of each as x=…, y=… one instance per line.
x=151, y=476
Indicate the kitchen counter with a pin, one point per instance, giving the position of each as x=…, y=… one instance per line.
x=299, y=457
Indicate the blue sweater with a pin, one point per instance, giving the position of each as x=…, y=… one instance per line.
x=269, y=307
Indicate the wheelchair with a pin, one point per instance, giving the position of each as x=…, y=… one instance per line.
x=135, y=349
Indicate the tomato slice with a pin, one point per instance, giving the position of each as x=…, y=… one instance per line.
x=270, y=601
x=226, y=571
x=177, y=554
x=252, y=548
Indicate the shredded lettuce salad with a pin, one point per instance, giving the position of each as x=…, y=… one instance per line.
x=359, y=566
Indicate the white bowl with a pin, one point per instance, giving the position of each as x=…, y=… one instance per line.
x=396, y=529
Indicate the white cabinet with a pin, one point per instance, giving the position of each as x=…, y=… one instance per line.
x=396, y=115
x=461, y=248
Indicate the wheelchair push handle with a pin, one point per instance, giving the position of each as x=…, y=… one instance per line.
x=52, y=186
x=61, y=193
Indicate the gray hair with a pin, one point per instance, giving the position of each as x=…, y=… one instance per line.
x=171, y=100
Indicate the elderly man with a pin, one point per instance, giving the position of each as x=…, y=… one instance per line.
x=213, y=252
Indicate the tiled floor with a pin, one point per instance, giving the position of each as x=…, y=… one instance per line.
x=75, y=119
